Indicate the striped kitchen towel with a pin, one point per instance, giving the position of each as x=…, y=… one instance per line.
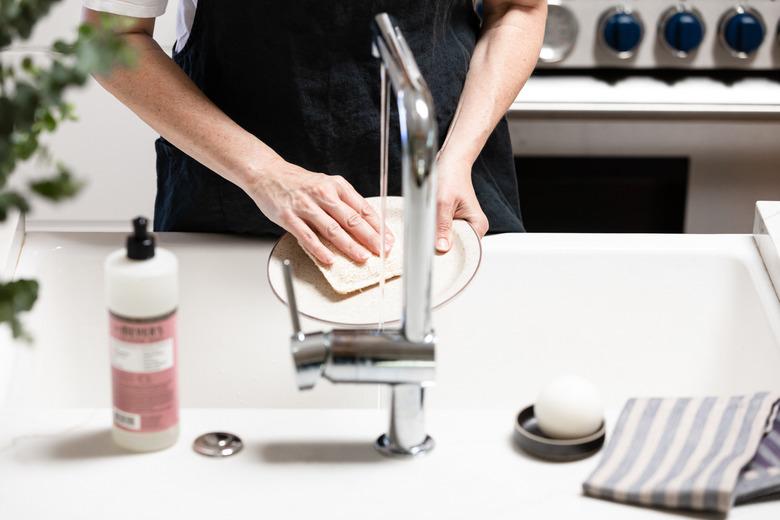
x=692, y=453
x=761, y=478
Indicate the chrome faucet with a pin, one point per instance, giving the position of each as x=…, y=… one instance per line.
x=403, y=358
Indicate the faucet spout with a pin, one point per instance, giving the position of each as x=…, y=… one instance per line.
x=418, y=147
x=402, y=358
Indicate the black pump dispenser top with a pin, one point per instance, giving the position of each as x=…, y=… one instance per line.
x=140, y=245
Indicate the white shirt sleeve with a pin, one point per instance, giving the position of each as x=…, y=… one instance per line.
x=133, y=8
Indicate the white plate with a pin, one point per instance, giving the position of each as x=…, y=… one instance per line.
x=452, y=272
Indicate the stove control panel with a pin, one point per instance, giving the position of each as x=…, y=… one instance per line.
x=654, y=34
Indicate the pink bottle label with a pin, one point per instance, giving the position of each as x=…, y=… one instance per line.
x=143, y=369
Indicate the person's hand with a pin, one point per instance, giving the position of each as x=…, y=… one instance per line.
x=456, y=200
x=305, y=202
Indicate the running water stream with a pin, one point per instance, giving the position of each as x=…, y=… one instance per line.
x=384, y=127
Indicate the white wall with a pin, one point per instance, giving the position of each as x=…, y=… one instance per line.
x=109, y=146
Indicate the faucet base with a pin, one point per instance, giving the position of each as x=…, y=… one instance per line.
x=384, y=446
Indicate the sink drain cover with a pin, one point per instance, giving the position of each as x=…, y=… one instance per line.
x=218, y=444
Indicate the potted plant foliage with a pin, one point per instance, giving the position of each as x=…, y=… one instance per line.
x=33, y=103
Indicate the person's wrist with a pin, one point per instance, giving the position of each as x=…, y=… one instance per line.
x=261, y=168
x=451, y=166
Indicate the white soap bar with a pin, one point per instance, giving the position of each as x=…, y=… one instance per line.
x=569, y=407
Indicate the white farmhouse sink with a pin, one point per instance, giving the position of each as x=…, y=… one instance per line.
x=638, y=315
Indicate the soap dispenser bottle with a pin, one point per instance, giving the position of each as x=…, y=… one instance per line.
x=142, y=294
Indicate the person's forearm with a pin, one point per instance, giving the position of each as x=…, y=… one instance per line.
x=503, y=59
x=159, y=92
x=308, y=204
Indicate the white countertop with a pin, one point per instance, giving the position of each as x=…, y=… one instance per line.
x=295, y=464
x=298, y=464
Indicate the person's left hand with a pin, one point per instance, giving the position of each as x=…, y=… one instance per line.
x=456, y=199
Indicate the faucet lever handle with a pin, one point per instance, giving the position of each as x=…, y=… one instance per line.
x=291, y=303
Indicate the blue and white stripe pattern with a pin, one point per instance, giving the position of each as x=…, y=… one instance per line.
x=761, y=478
x=691, y=453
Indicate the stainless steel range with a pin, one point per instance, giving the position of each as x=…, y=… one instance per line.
x=649, y=34
x=651, y=116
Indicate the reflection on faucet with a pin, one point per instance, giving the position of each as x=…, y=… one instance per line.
x=403, y=358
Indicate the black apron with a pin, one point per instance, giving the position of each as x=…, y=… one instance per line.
x=299, y=75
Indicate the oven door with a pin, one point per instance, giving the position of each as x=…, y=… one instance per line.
x=603, y=194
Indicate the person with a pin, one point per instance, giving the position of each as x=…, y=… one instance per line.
x=269, y=112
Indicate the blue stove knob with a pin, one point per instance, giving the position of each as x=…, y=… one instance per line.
x=742, y=31
x=682, y=31
x=621, y=31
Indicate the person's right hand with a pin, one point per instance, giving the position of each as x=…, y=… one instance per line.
x=303, y=202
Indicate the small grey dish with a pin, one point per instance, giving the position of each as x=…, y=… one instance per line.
x=530, y=438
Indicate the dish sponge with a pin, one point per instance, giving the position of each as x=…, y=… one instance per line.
x=346, y=276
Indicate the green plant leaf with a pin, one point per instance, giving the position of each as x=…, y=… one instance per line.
x=26, y=145
x=48, y=122
x=17, y=297
x=62, y=47
x=12, y=200
x=7, y=109
x=58, y=187
x=33, y=102
x=28, y=66
x=26, y=100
